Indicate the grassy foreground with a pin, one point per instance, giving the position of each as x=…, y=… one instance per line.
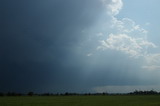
x=148, y=100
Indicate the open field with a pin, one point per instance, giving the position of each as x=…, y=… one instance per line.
x=148, y=100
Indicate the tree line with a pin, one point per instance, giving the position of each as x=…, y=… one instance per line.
x=48, y=94
x=136, y=92
x=151, y=92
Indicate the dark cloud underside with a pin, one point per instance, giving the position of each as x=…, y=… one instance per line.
x=40, y=44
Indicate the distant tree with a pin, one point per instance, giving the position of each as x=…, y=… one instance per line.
x=104, y=93
x=30, y=94
x=9, y=94
x=1, y=94
x=46, y=94
x=66, y=93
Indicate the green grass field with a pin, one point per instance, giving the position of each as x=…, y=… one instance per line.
x=149, y=100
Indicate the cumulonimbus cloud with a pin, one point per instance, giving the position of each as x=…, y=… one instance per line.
x=128, y=37
x=135, y=47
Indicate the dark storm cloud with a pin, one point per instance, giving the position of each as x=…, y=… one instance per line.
x=40, y=48
x=37, y=42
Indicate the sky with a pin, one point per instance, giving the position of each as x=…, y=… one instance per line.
x=79, y=46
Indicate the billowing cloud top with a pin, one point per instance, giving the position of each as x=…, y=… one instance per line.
x=113, y=6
